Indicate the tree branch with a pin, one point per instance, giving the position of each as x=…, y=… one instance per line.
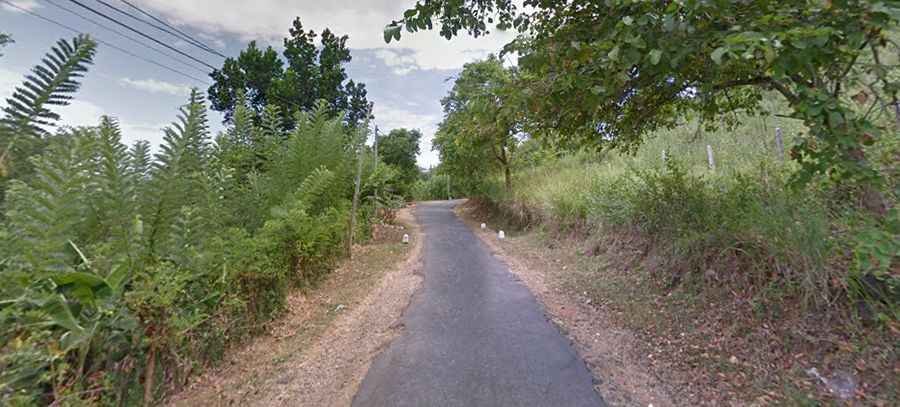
x=759, y=80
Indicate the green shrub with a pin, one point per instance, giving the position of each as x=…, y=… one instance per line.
x=125, y=272
x=743, y=223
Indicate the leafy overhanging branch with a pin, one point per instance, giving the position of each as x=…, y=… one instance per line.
x=605, y=74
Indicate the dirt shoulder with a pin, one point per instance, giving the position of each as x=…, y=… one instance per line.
x=648, y=342
x=319, y=352
x=624, y=376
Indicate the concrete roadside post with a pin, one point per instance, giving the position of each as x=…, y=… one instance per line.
x=779, y=144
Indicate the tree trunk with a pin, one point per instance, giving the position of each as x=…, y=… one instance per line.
x=507, y=177
x=149, y=375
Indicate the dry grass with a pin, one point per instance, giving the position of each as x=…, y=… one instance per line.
x=703, y=344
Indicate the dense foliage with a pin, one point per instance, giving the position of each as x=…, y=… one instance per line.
x=124, y=273
x=306, y=74
x=600, y=73
x=597, y=74
x=399, y=148
x=483, y=112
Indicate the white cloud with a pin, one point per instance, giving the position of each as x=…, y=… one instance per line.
x=389, y=117
x=213, y=41
x=25, y=4
x=156, y=86
x=269, y=20
x=81, y=112
x=400, y=63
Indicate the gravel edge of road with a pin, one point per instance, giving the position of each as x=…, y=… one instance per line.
x=326, y=370
x=332, y=370
x=621, y=377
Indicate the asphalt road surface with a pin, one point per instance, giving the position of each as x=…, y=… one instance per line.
x=473, y=336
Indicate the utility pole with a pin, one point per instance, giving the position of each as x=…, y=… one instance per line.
x=375, y=168
x=448, y=188
x=375, y=147
x=355, y=202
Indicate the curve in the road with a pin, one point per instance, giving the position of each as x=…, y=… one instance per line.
x=474, y=335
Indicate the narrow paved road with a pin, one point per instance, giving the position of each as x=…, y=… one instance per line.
x=474, y=336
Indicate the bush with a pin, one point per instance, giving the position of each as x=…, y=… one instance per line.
x=124, y=272
x=434, y=187
x=743, y=223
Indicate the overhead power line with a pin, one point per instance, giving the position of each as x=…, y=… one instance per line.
x=113, y=46
x=163, y=29
x=126, y=36
x=183, y=35
x=132, y=29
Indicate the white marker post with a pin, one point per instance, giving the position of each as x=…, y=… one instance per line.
x=501, y=235
x=405, y=239
x=779, y=143
x=483, y=226
x=709, y=157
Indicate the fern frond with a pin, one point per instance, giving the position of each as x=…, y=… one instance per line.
x=43, y=214
x=27, y=114
x=114, y=183
x=53, y=83
x=316, y=188
x=139, y=161
x=271, y=123
x=241, y=131
x=188, y=231
x=178, y=172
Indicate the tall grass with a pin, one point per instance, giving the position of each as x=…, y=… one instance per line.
x=742, y=224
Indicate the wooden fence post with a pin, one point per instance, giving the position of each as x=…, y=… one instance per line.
x=779, y=143
x=709, y=157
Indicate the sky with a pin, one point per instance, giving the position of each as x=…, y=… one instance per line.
x=405, y=79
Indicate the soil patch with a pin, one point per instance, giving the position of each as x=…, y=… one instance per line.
x=623, y=375
x=648, y=342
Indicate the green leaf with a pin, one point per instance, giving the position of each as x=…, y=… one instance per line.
x=118, y=278
x=391, y=32
x=769, y=53
x=614, y=54
x=628, y=20
x=60, y=314
x=78, y=278
x=717, y=55
x=655, y=55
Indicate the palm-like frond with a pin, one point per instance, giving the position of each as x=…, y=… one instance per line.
x=51, y=84
x=139, y=160
x=43, y=213
x=179, y=170
x=114, y=184
x=317, y=190
x=27, y=114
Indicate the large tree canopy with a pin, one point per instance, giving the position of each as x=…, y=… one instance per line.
x=483, y=111
x=400, y=148
x=306, y=74
x=608, y=72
